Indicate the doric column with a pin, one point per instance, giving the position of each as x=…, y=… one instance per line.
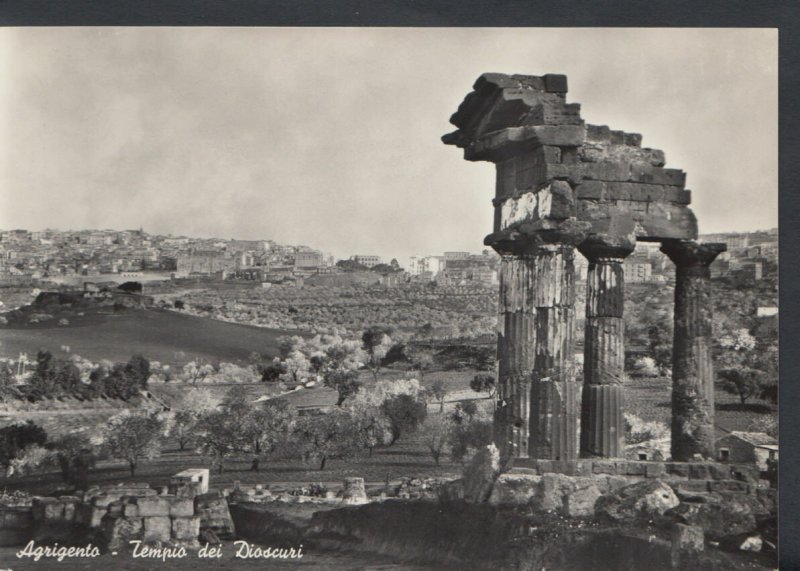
x=602, y=423
x=692, y=366
x=538, y=395
x=515, y=350
x=555, y=393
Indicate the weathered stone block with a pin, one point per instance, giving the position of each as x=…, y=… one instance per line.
x=157, y=528
x=677, y=195
x=582, y=468
x=657, y=175
x=523, y=470
x=91, y=516
x=687, y=538
x=745, y=473
x=102, y=500
x=116, y=508
x=655, y=470
x=545, y=466
x=153, y=507
x=719, y=471
x=633, y=139
x=47, y=509
x=635, y=468
x=718, y=515
x=581, y=502
x=699, y=471
x=130, y=510
x=599, y=133
x=752, y=543
x=691, y=486
x=555, y=83
x=590, y=190
x=643, y=499
x=214, y=514
x=561, y=202
x=198, y=477
x=514, y=489
x=677, y=469
x=604, y=467
x=608, y=483
x=71, y=505
x=617, y=137
x=735, y=486
x=181, y=507
x=119, y=530
x=654, y=157
x=185, y=527
x=552, y=154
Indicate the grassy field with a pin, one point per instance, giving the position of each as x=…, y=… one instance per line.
x=407, y=458
x=650, y=399
x=165, y=336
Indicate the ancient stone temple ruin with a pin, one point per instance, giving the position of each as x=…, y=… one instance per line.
x=562, y=186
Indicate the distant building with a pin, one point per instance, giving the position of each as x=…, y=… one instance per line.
x=734, y=240
x=425, y=265
x=308, y=260
x=747, y=448
x=485, y=276
x=637, y=273
x=203, y=262
x=367, y=261
x=448, y=256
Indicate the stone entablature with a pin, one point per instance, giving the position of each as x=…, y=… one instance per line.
x=552, y=166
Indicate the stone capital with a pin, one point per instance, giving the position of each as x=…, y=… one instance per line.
x=607, y=247
x=689, y=253
x=614, y=237
x=531, y=237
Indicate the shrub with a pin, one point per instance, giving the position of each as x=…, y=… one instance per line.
x=31, y=459
x=405, y=413
x=467, y=437
x=638, y=430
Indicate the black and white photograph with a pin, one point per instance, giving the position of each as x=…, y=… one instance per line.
x=388, y=298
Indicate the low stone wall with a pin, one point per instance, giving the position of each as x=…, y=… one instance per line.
x=644, y=469
x=152, y=519
x=690, y=476
x=119, y=514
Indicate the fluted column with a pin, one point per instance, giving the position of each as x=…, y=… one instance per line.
x=602, y=403
x=538, y=395
x=692, y=365
x=515, y=350
x=555, y=394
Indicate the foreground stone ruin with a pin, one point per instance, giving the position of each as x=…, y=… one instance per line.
x=562, y=186
x=115, y=515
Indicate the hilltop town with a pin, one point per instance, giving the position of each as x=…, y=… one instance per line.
x=74, y=257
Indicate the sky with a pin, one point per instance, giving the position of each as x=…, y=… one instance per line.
x=330, y=137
